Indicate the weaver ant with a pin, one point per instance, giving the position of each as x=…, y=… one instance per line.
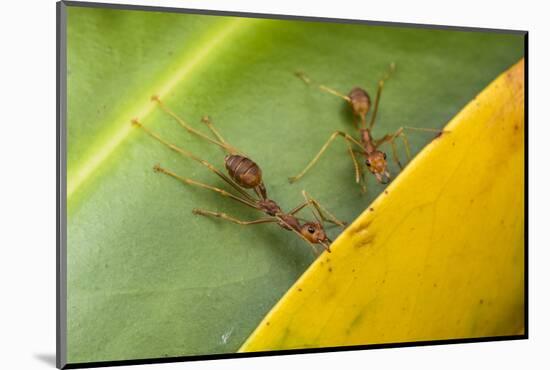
x=244, y=174
x=375, y=159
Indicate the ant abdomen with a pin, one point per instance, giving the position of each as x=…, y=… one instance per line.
x=360, y=101
x=243, y=170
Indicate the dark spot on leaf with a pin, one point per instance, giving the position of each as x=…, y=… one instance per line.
x=267, y=323
x=481, y=301
x=361, y=227
x=330, y=269
x=385, y=192
x=285, y=335
x=356, y=320
x=435, y=285
x=299, y=289
x=365, y=241
x=371, y=209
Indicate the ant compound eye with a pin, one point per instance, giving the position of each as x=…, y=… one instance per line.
x=367, y=162
x=311, y=229
x=384, y=155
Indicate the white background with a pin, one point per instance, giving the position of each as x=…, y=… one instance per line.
x=27, y=182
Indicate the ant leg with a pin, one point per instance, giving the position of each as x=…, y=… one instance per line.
x=302, y=76
x=184, y=124
x=394, y=153
x=322, y=211
x=406, y=143
x=265, y=220
x=358, y=173
x=401, y=133
x=206, y=120
x=381, y=83
x=185, y=153
x=316, y=158
x=309, y=202
x=187, y=181
x=299, y=208
x=376, y=101
x=335, y=93
x=438, y=132
x=363, y=183
x=424, y=129
x=225, y=216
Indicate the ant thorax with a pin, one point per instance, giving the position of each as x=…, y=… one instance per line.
x=366, y=140
x=270, y=207
x=289, y=222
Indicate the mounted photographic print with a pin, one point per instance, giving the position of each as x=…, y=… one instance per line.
x=239, y=184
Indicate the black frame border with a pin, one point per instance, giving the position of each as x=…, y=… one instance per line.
x=61, y=186
x=61, y=199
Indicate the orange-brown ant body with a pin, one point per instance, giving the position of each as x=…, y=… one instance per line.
x=375, y=159
x=245, y=174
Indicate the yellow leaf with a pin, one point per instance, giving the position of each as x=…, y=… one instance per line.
x=438, y=255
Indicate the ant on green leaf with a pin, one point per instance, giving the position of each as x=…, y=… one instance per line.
x=243, y=174
x=367, y=146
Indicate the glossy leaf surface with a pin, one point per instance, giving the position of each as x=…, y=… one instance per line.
x=438, y=255
x=146, y=278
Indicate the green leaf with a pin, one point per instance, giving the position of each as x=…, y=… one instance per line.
x=147, y=278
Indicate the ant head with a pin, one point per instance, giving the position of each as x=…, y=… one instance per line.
x=376, y=162
x=315, y=233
